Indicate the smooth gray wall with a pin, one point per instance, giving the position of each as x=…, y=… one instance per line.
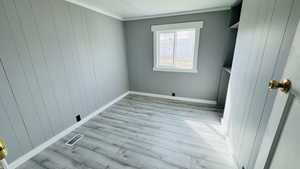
x=213, y=49
x=58, y=60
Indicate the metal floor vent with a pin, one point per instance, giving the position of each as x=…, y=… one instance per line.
x=74, y=140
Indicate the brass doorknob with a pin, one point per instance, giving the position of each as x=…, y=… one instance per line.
x=283, y=86
x=3, y=150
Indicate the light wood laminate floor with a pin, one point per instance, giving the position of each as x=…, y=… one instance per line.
x=142, y=132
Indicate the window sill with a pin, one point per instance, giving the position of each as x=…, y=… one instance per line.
x=175, y=70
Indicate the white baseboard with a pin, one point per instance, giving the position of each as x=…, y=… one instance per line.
x=204, y=101
x=54, y=139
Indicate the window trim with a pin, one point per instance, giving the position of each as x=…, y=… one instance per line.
x=157, y=29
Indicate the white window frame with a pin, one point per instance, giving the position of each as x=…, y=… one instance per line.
x=157, y=29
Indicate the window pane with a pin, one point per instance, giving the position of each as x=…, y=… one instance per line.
x=184, y=48
x=166, y=49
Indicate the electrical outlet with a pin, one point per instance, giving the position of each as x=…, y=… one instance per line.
x=78, y=118
x=173, y=94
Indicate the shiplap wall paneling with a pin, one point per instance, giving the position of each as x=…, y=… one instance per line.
x=12, y=128
x=100, y=40
x=84, y=55
x=29, y=41
x=19, y=81
x=56, y=67
x=7, y=133
x=97, y=48
x=66, y=41
x=53, y=57
x=28, y=69
x=38, y=54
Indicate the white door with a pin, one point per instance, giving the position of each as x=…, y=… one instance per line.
x=281, y=144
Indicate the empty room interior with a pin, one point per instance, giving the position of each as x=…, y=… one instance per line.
x=149, y=84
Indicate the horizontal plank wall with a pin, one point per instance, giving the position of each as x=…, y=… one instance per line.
x=214, y=46
x=57, y=60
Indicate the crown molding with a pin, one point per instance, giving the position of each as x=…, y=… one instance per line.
x=177, y=13
x=101, y=11
x=104, y=12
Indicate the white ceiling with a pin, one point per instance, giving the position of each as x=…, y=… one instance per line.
x=138, y=9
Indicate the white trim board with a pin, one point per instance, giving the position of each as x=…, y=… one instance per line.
x=177, y=26
x=19, y=161
x=204, y=101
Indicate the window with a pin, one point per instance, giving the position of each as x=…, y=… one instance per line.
x=176, y=47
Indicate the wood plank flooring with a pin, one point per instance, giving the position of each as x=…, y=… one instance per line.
x=141, y=132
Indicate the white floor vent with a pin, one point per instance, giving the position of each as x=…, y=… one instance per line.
x=74, y=140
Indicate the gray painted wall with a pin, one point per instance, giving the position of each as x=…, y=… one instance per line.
x=213, y=50
x=57, y=60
